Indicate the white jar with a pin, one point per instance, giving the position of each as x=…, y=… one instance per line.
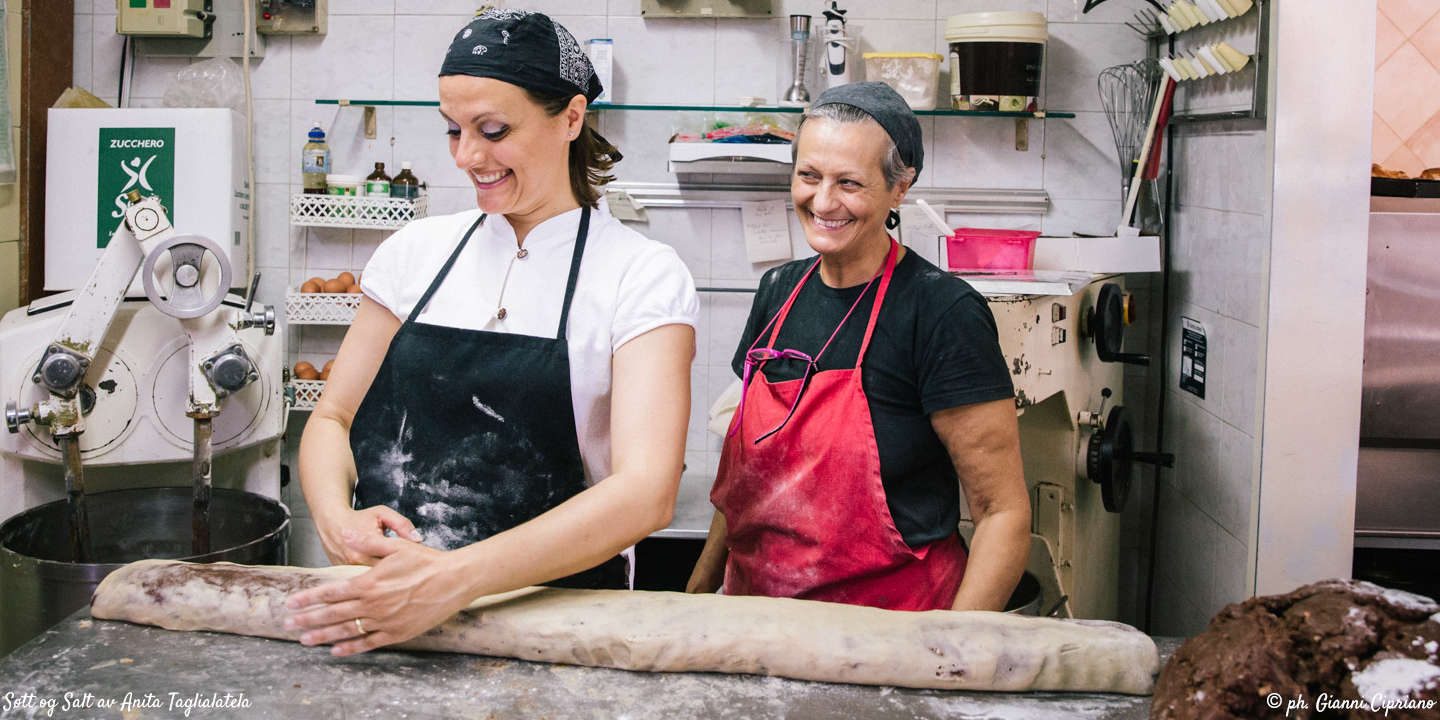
x=342, y=184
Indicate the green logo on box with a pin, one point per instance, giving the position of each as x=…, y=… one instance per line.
x=132, y=159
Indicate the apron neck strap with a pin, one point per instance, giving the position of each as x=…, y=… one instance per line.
x=444, y=270
x=779, y=318
x=885, y=276
x=887, y=271
x=580, y=235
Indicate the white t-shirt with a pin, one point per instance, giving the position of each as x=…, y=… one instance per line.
x=628, y=285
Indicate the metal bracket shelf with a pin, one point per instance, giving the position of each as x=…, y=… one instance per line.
x=1259, y=86
x=1163, y=35
x=1019, y=201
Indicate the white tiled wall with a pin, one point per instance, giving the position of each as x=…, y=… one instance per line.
x=392, y=48
x=1218, y=240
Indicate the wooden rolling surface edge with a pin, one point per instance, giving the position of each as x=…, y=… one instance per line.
x=677, y=632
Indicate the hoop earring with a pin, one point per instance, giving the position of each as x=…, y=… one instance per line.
x=892, y=220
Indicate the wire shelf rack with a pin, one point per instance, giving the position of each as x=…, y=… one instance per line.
x=321, y=308
x=356, y=212
x=307, y=393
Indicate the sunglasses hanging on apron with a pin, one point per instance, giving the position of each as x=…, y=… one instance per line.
x=469, y=433
x=800, y=487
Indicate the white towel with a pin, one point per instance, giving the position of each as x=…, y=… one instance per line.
x=724, y=408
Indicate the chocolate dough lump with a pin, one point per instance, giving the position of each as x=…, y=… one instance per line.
x=1343, y=647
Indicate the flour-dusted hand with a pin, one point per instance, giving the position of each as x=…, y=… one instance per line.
x=409, y=590
x=371, y=522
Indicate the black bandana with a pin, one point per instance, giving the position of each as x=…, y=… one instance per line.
x=522, y=48
x=880, y=101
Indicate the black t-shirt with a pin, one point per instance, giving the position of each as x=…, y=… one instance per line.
x=935, y=347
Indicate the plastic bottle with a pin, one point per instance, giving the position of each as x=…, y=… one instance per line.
x=405, y=185
x=315, y=162
x=377, y=184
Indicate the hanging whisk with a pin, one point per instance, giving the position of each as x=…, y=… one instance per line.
x=1128, y=93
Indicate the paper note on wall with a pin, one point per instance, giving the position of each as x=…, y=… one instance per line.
x=767, y=230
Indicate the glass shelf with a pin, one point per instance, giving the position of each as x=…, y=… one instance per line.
x=610, y=107
x=773, y=109
x=380, y=103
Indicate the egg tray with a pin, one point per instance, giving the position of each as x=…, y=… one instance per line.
x=321, y=308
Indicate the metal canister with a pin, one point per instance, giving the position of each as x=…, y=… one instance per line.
x=40, y=585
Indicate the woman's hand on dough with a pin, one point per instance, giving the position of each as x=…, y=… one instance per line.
x=409, y=591
x=372, y=521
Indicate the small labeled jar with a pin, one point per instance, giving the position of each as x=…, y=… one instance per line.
x=342, y=184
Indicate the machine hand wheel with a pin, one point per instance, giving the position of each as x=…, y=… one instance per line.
x=1106, y=323
x=1110, y=455
x=184, y=295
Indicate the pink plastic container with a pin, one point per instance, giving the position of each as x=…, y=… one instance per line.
x=989, y=249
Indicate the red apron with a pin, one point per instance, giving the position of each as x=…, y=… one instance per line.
x=799, y=485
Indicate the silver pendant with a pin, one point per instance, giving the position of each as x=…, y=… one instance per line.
x=522, y=254
x=500, y=314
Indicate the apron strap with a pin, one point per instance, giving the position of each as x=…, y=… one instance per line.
x=444, y=270
x=779, y=318
x=884, y=277
x=879, y=300
x=580, y=235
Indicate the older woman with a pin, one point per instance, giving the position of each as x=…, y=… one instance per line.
x=872, y=381
x=509, y=406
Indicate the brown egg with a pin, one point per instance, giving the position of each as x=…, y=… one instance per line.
x=328, y=364
x=334, y=286
x=346, y=278
x=311, y=286
x=306, y=371
x=325, y=374
x=354, y=290
x=317, y=280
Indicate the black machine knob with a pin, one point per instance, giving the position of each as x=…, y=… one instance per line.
x=1107, y=325
x=1110, y=455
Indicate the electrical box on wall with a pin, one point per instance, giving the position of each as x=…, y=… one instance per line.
x=292, y=17
x=163, y=18
x=707, y=8
x=225, y=39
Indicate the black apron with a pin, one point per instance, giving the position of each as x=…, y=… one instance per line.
x=469, y=433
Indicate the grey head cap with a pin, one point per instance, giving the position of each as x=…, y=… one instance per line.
x=881, y=102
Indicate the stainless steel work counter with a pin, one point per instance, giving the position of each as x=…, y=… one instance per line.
x=269, y=678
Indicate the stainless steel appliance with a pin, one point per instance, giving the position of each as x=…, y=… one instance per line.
x=1397, y=508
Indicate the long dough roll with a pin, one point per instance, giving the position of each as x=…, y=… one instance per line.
x=676, y=632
